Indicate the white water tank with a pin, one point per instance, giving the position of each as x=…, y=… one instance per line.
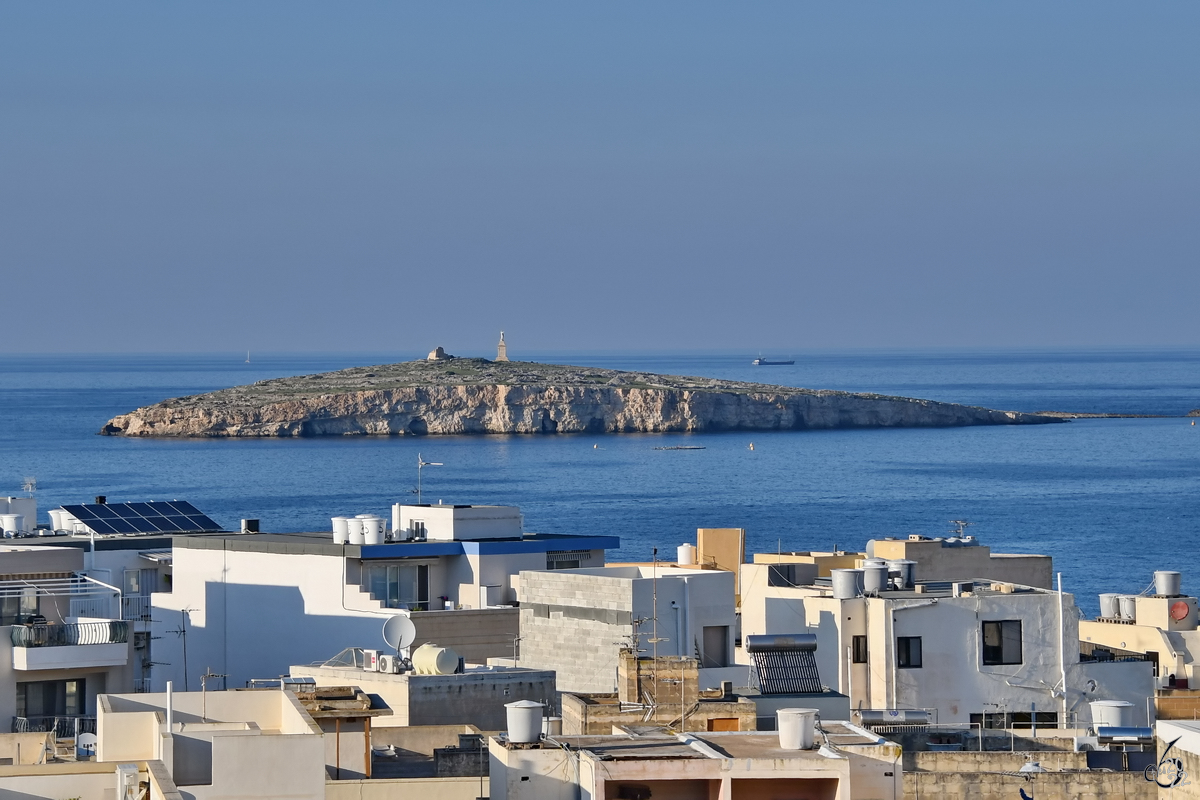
x=847, y=583
x=1111, y=714
x=354, y=530
x=429, y=659
x=1167, y=583
x=875, y=577
x=12, y=523
x=373, y=529
x=1127, y=607
x=1109, y=605
x=524, y=721
x=56, y=520
x=685, y=554
x=552, y=726
x=797, y=728
x=905, y=571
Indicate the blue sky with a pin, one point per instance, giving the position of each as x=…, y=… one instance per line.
x=778, y=177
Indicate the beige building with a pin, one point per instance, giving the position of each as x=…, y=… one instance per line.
x=844, y=762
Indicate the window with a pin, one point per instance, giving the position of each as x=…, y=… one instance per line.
x=716, y=650
x=50, y=698
x=1002, y=642
x=14, y=610
x=858, y=650
x=417, y=526
x=562, y=564
x=908, y=652
x=399, y=585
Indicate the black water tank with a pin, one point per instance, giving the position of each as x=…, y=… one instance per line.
x=101, y=499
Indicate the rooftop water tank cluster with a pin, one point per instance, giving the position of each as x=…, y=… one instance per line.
x=361, y=529
x=876, y=576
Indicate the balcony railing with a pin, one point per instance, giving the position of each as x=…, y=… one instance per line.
x=135, y=607
x=65, y=726
x=141, y=685
x=113, y=632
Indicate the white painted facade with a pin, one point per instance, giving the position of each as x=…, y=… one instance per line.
x=450, y=523
x=954, y=675
x=253, y=605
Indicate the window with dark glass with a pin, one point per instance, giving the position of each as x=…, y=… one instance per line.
x=399, y=585
x=908, y=652
x=858, y=650
x=1002, y=642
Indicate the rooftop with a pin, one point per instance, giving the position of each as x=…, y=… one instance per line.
x=321, y=543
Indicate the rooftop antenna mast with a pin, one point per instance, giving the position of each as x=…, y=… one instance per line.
x=29, y=484
x=961, y=526
x=421, y=464
x=208, y=673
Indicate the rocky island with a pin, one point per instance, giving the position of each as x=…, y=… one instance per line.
x=475, y=396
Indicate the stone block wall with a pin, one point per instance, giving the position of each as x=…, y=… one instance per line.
x=1046, y=786
x=575, y=625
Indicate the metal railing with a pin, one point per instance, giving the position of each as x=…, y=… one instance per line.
x=114, y=632
x=141, y=685
x=64, y=726
x=135, y=607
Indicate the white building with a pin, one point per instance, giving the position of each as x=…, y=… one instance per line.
x=576, y=622
x=251, y=605
x=979, y=651
x=62, y=642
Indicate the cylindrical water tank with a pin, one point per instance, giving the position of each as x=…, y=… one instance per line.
x=797, y=728
x=429, y=659
x=373, y=528
x=341, y=531
x=524, y=721
x=1127, y=605
x=685, y=554
x=354, y=530
x=56, y=520
x=874, y=578
x=12, y=523
x=1167, y=583
x=552, y=726
x=847, y=583
x=1112, y=714
x=1109, y=605
x=906, y=572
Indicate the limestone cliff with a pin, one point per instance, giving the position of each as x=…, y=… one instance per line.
x=471, y=396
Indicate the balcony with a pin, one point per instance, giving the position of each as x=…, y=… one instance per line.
x=135, y=608
x=65, y=726
x=70, y=646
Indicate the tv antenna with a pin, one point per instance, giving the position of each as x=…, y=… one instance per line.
x=208, y=673
x=399, y=634
x=961, y=526
x=421, y=464
x=29, y=484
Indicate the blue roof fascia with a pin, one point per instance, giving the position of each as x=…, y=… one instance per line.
x=411, y=550
x=485, y=547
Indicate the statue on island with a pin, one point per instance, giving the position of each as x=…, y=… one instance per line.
x=502, y=349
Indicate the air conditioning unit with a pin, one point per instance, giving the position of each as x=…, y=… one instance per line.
x=390, y=664
x=371, y=660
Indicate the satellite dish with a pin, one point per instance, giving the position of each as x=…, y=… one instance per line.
x=85, y=745
x=399, y=632
x=1180, y=611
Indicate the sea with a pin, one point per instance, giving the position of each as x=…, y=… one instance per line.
x=1111, y=500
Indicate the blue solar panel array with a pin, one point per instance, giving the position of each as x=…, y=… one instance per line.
x=174, y=517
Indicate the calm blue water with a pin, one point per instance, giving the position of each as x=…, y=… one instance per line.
x=1111, y=500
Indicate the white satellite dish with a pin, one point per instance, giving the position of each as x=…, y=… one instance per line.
x=85, y=745
x=399, y=632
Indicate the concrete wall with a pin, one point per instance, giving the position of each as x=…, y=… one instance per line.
x=1046, y=786
x=424, y=788
x=936, y=562
x=476, y=697
x=18, y=559
x=574, y=621
x=1179, y=741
